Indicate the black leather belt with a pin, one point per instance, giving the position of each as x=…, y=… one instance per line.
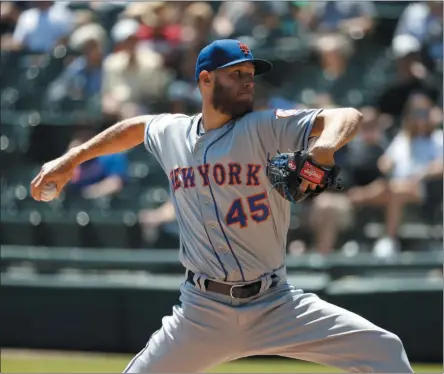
x=237, y=291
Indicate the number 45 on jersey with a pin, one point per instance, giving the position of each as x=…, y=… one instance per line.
x=253, y=207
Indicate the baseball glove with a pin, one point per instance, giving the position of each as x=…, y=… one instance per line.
x=287, y=170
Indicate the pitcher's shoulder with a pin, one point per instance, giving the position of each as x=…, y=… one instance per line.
x=255, y=117
x=267, y=116
x=167, y=120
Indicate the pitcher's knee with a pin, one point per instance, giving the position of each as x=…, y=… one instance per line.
x=393, y=357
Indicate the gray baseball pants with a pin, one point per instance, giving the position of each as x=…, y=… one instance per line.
x=209, y=329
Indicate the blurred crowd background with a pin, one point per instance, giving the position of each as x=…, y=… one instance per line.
x=72, y=68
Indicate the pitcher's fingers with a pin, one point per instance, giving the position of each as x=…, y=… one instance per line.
x=37, y=179
x=36, y=187
x=304, y=185
x=312, y=186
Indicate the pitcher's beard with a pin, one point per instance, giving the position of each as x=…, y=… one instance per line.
x=224, y=100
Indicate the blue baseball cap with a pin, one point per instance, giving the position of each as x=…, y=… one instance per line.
x=228, y=52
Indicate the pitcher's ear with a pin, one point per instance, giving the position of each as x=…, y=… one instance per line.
x=204, y=77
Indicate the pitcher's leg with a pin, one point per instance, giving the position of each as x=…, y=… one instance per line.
x=350, y=342
x=305, y=327
x=196, y=337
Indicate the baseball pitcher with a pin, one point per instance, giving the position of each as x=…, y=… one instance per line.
x=233, y=175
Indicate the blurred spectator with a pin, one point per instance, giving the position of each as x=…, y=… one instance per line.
x=108, y=12
x=424, y=21
x=135, y=10
x=133, y=77
x=411, y=76
x=363, y=184
x=354, y=19
x=234, y=18
x=83, y=17
x=296, y=20
x=413, y=159
x=106, y=6
x=269, y=25
x=99, y=177
x=183, y=94
x=151, y=219
x=9, y=14
x=334, y=51
x=41, y=28
x=159, y=30
x=324, y=100
x=262, y=20
x=197, y=25
x=82, y=78
x=337, y=76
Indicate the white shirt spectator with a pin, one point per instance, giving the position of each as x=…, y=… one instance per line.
x=146, y=79
x=39, y=30
x=410, y=157
x=424, y=24
x=416, y=20
x=233, y=18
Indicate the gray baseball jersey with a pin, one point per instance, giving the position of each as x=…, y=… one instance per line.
x=232, y=228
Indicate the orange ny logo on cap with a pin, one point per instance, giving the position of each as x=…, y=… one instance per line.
x=244, y=48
